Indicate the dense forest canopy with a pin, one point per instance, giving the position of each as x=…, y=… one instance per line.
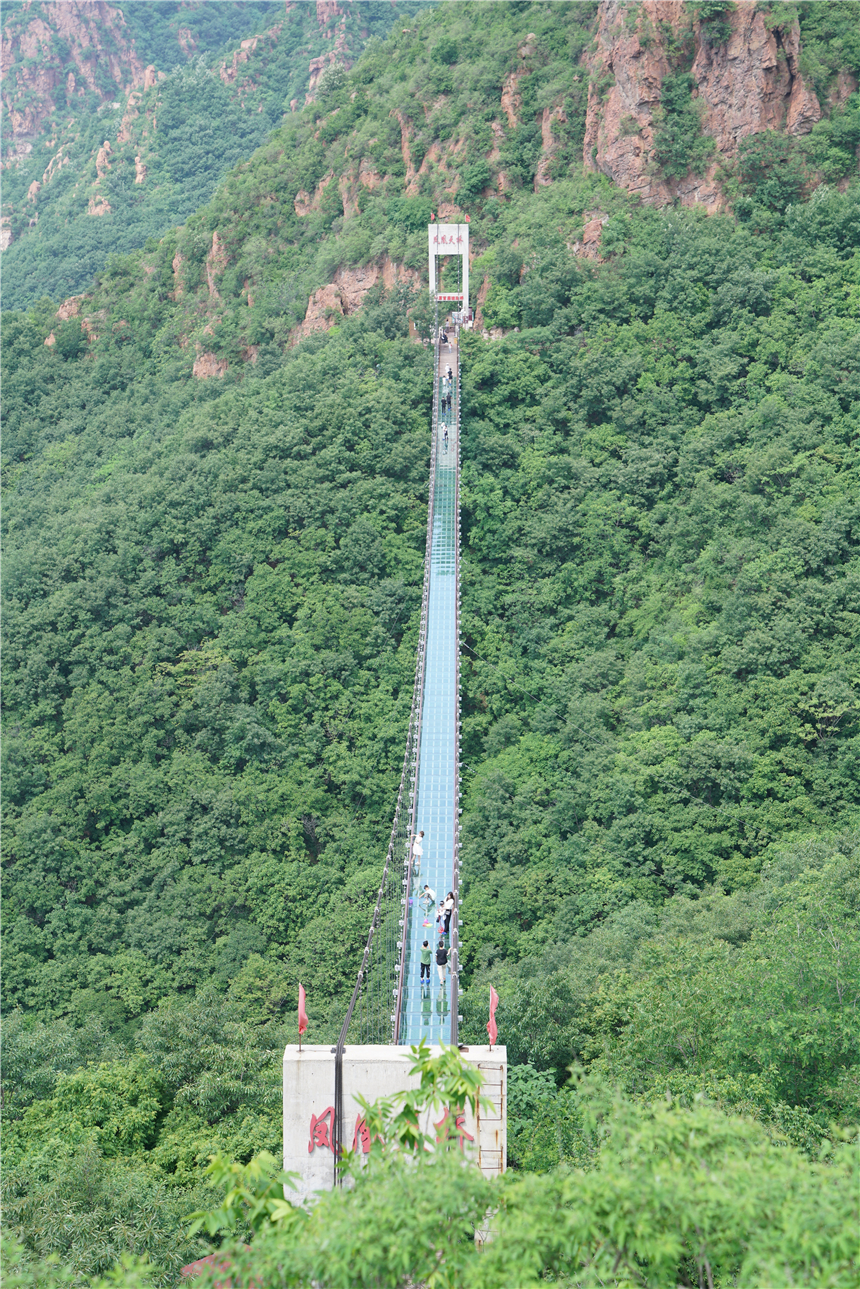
x=211, y=605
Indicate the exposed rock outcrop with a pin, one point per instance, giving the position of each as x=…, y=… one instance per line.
x=368, y=176
x=588, y=248
x=102, y=159
x=178, y=281
x=70, y=308
x=99, y=49
x=511, y=97
x=187, y=43
x=549, y=144
x=216, y=263
x=207, y=365
x=749, y=83
x=345, y=294
x=230, y=71
x=327, y=10
x=128, y=117
x=304, y=203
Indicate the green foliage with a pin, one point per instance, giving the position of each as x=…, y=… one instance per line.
x=679, y=1196
x=90, y=1213
x=749, y=998
x=829, y=42
x=714, y=18
x=831, y=146
x=770, y=167
x=620, y=727
x=253, y=1196
x=197, y=754
x=545, y=1126
x=672, y=1196
x=155, y=26
x=473, y=180
x=679, y=145
x=114, y=1103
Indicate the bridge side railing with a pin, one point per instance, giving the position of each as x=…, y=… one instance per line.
x=455, y=916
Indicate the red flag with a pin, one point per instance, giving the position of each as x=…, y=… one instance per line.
x=432, y=216
x=467, y=219
x=492, y=1027
x=303, y=1016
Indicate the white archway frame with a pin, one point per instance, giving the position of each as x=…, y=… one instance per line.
x=450, y=239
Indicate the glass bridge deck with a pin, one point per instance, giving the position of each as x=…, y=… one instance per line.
x=426, y=1008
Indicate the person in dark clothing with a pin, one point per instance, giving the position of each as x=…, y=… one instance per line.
x=442, y=961
x=448, y=909
x=426, y=955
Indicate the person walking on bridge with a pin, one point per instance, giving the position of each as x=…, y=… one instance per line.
x=426, y=955
x=447, y=910
x=442, y=962
x=417, y=852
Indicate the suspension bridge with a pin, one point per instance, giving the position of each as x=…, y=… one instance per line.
x=392, y=1007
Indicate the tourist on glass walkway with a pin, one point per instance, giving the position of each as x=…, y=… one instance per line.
x=447, y=910
x=417, y=851
x=427, y=897
x=426, y=956
x=442, y=962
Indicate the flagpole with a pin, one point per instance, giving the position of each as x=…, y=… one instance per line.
x=303, y=1016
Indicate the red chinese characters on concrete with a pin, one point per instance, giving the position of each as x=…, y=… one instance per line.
x=322, y=1130
x=444, y=1130
x=361, y=1136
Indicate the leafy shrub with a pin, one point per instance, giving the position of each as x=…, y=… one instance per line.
x=473, y=180
x=679, y=145
x=771, y=169
x=445, y=51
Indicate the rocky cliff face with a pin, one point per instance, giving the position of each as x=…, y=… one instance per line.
x=55, y=53
x=745, y=84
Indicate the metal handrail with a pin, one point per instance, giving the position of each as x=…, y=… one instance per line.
x=419, y=678
x=455, y=916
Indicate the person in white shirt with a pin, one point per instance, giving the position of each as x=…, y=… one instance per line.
x=427, y=897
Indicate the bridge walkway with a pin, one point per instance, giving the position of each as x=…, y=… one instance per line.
x=426, y=1010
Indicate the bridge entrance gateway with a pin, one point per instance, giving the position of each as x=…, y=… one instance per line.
x=447, y=240
x=392, y=1007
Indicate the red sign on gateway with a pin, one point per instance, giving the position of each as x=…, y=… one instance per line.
x=322, y=1130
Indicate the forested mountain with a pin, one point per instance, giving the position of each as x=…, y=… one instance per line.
x=120, y=119
x=216, y=482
